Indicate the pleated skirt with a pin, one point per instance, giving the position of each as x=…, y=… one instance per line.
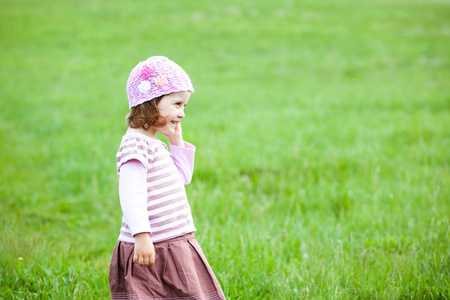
x=181, y=271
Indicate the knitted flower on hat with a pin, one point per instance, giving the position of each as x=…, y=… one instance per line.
x=155, y=77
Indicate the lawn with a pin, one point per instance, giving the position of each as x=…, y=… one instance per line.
x=322, y=133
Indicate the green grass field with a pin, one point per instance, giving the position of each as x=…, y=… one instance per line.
x=322, y=133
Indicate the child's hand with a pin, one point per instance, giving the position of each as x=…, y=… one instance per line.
x=144, y=251
x=176, y=138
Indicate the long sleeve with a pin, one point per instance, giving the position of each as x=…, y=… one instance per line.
x=133, y=196
x=183, y=159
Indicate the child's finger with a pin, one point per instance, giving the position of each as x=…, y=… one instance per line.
x=152, y=260
x=145, y=261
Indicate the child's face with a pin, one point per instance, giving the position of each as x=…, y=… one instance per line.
x=171, y=109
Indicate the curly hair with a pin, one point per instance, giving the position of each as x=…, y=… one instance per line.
x=145, y=115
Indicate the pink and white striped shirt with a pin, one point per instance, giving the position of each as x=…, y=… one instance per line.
x=152, y=194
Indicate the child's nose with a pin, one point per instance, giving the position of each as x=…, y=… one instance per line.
x=181, y=114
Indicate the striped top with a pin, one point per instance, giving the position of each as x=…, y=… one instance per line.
x=168, y=211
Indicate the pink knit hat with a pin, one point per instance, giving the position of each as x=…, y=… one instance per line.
x=155, y=77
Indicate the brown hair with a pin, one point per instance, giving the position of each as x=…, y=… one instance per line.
x=144, y=115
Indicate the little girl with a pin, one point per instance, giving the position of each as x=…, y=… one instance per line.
x=157, y=255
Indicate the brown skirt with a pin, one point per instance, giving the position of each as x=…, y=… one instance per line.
x=181, y=271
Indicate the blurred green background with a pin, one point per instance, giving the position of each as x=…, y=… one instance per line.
x=322, y=134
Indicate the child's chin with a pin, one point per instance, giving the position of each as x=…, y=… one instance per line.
x=167, y=131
